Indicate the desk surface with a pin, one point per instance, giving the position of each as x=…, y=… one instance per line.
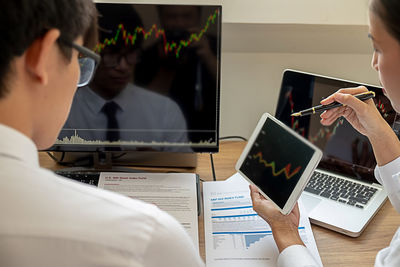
x=335, y=249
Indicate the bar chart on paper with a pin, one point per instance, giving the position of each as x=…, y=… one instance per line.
x=234, y=234
x=242, y=229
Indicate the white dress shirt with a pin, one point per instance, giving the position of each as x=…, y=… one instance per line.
x=389, y=176
x=47, y=220
x=143, y=116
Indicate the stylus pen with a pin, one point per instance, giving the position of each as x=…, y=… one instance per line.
x=320, y=108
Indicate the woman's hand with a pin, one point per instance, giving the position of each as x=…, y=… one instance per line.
x=365, y=118
x=284, y=227
x=362, y=115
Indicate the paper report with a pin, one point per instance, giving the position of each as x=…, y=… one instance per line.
x=174, y=193
x=234, y=234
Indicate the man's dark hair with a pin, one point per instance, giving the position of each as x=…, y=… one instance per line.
x=389, y=12
x=24, y=21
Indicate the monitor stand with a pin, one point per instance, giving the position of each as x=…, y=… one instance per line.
x=109, y=161
x=99, y=163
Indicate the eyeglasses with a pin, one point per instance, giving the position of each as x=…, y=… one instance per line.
x=88, y=62
x=111, y=60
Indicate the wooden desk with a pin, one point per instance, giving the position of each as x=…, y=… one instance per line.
x=335, y=249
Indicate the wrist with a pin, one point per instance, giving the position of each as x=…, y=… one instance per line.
x=386, y=145
x=380, y=132
x=286, y=236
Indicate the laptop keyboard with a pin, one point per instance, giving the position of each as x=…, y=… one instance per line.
x=341, y=190
x=91, y=178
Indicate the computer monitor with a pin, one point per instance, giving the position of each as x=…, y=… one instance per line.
x=345, y=150
x=155, y=97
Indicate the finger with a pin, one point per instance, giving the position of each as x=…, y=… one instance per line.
x=348, y=112
x=351, y=91
x=255, y=198
x=331, y=116
x=255, y=195
x=324, y=122
x=296, y=213
x=332, y=112
x=336, y=112
x=327, y=122
x=351, y=101
x=330, y=121
x=296, y=210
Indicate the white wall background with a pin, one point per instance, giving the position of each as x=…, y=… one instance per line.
x=251, y=82
x=261, y=38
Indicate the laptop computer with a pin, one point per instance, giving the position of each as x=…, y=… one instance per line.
x=343, y=194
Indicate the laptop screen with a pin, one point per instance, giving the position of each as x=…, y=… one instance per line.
x=345, y=150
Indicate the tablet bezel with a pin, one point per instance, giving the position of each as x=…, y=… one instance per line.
x=306, y=175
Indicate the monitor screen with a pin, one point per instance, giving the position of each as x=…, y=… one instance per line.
x=158, y=84
x=345, y=150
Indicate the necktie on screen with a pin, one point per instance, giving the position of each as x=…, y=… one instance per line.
x=110, y=110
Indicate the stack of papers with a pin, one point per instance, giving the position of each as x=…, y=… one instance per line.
x=174, y=193
x=234, y=234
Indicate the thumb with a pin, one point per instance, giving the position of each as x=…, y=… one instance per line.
x=255, y=195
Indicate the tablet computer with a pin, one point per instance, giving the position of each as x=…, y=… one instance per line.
x=278, y=161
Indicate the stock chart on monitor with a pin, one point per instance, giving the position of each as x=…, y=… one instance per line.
x=158, y=83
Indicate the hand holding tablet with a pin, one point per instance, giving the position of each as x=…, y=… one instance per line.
x=279, y=162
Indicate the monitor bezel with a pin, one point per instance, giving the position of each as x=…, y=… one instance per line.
x=90, y=149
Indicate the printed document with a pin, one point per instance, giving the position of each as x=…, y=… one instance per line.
x=174, y=193
x=234, y=234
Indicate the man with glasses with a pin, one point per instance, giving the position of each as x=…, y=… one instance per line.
x=88, y=62
x=47, y=220
x=112, y=102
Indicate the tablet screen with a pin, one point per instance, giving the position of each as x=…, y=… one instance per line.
x=276, y=161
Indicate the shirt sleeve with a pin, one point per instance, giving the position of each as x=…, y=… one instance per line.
x=296, y=255
x=170, y=245
x=389, y=176
x=390, y=256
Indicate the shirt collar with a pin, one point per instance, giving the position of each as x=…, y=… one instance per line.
x=93, y=100
x=16, y=145
x=96, y=102
x=124, y=99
